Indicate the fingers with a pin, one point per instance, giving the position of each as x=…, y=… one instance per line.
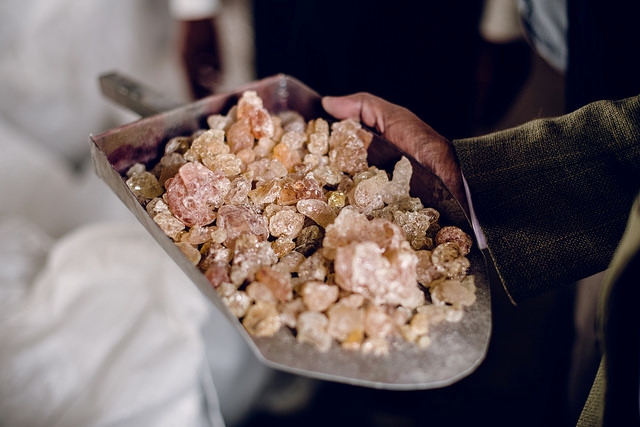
x=395, y=123
x=363, y=107
x=343, y=107
x=404, y=129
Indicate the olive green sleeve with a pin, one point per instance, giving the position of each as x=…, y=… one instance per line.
x=552, y=196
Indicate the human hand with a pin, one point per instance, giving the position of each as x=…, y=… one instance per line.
x=405, y=130
x=200, y=53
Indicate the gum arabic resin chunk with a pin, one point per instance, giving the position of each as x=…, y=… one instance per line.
x=195, y=193
x=238, y=220
x=293, y=228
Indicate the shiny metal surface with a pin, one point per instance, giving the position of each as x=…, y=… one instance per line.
x=457, y=348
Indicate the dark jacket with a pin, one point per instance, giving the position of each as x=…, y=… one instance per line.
x=553, y=199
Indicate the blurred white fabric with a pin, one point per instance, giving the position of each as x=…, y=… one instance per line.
x=53, y=52
x=545, y=23
x=98, y=327
x=90, y=344
x=194, y=9
x=500, y=22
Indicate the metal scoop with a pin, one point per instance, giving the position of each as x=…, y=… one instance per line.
x=457, y=348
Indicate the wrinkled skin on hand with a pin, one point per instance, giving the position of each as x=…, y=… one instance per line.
x=404, y=129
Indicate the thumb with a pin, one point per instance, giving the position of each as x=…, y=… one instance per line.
x=366, y=108
x=405, y=130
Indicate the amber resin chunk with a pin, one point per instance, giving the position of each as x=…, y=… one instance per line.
x=195, y=193
x=298, y=234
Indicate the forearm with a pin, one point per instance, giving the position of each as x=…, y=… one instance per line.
x=553, y=196
x=198, y=44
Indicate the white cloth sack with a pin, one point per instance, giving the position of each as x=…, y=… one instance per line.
x=94, y=345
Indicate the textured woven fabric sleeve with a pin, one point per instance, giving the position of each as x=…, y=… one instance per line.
x=552, y=196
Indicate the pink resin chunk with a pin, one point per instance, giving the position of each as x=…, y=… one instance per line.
x=238, y=220
x=195, y=193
